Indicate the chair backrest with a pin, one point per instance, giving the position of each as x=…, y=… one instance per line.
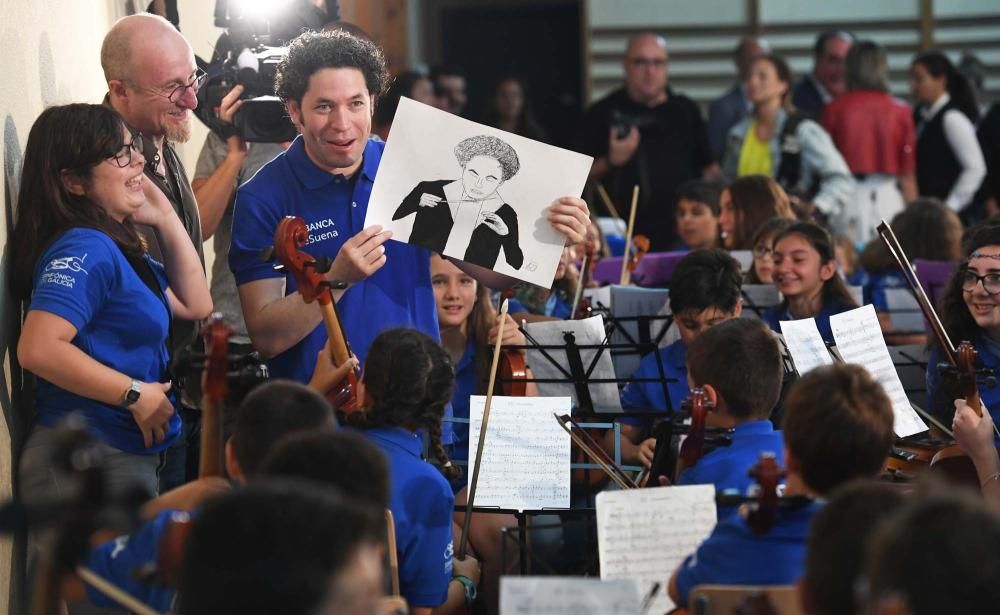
x=725, y=599
x=657, y=268
x=608, y=270
x=934, y=276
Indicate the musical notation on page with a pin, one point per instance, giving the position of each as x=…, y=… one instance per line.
x=805, y=344
x=646, y=533
x=568, y=596
x=526, y=457
x=859, y=340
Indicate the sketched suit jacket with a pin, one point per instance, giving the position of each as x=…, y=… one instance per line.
x=433, y=225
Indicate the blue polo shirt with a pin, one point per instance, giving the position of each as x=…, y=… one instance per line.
x=988, y=357
x=773, y=315
x=422, y=504
x=84, y=278
x=726, y=467
x=333, y=207
x=465, y=386
x=118, y=560
x=734, y=555
x=649, y=395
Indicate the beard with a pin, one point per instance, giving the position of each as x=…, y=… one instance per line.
x=179, y=132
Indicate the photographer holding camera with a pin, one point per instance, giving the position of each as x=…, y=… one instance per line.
x=223, y=165
x=645, y=134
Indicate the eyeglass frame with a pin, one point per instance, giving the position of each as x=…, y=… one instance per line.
x=195, y=83
x=135, y=145
x=980, y=279
x=762, y=250
x=648, y=62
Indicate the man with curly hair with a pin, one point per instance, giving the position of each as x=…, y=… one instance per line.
x=467, y=217
x=330, y=82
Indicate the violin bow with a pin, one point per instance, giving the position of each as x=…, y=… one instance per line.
x=390, y=538
x=608, y=203
x=623, y=279
x=595, y=452
x=112, y=591
x=578, y=295
x=470, y=501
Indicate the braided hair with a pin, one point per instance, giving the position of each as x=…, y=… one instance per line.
x=409, y=380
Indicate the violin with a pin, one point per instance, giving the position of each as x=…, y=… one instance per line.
x=215, y=387
x=764, y=504
x=513, y=380
x=949, y=459
x=290, y=236
x=693, y=446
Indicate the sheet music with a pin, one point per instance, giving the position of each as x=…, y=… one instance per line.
x=587, y=332
x=568, y=596
x=526, y=458
x=805, y=344
x=629, y=302
x=859, y=340
x=645, y=534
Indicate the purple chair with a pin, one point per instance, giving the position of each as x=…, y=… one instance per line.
x=656, y=269
x=934, y=276
x=608, y=270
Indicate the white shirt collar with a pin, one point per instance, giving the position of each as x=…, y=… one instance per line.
x=929, y=112
x=823, y=93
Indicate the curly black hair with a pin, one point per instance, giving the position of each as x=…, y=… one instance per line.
x=485, y=145
x=409, y=380
x=311, y=51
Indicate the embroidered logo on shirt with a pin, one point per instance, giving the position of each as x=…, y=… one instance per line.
x=57, y=278
x=72, y=263
x=120, y=543
x=328, y=223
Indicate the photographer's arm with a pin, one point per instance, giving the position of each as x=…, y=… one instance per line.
x=214, y=193
x=620, y=151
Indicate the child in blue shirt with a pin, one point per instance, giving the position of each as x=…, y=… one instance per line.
x=738, y=364
x=704, y=291
x=805, y=271
x=837, y=427
x=407, y=382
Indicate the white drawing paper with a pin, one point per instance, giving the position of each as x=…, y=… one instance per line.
x=805, y=344
x=473, y=192
x=568, y=596
x=526, y=457
x=645, y=534
x=859, y=340
x=586, y=332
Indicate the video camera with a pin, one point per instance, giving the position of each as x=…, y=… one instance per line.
x=248, y=54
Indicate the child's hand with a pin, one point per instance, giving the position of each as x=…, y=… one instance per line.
x=326, y=376
x=646, y=451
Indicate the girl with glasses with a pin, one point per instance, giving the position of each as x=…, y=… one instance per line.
x=805, y=271
x=98, y=307
x=762, y=271
x=970, y=310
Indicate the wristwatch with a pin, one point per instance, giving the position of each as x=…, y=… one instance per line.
x=469, y=586
x=131, y=394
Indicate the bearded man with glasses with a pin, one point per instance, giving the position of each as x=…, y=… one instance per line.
x=153, y=83
x=646, y=134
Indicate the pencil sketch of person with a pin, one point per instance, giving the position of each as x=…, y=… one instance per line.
x=467, y=218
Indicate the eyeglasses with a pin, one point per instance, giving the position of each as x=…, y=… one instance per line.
x=991, y=282
x=174, y=93
x=124, y=156
x=647, y=62
x=763, y=250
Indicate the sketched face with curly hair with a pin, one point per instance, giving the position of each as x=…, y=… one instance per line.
x=487, y=162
